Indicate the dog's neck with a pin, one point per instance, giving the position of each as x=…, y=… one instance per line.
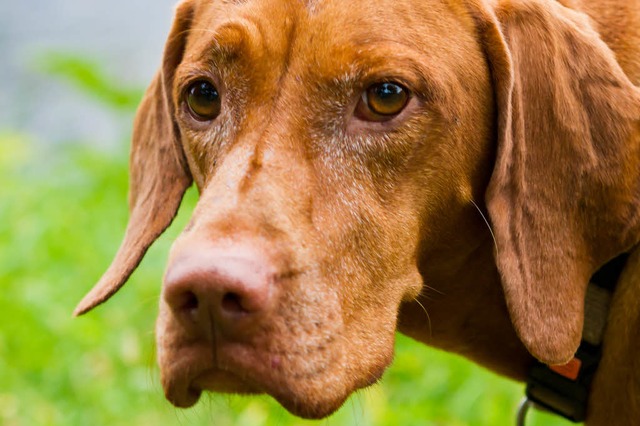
x=465, y=303
x=617, y=383
x=468, y=316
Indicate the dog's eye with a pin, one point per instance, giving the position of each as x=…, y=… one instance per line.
x=203, y=100
x=382, y=101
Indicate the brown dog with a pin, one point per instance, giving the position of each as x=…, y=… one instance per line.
x=346, y=154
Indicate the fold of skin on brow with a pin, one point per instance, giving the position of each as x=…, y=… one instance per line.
x=368, y=215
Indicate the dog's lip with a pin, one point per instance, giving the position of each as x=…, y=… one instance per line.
x=217, y=380
x=242, y=369
x=178, y=368
x=221, y=381
x=235, y=368
x=185, y=392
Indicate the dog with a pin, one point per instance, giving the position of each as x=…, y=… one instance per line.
x=360, y=163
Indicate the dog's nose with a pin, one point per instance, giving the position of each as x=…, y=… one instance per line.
x=231, y=289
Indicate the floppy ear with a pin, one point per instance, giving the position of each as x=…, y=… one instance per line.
x=159, y=175
x=564, y=196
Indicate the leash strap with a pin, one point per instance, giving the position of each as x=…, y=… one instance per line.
x=564, y=389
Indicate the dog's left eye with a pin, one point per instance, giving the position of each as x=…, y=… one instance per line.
x=382, y=101
x=203, y=100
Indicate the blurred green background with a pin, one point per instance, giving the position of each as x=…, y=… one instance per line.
x=62, y=214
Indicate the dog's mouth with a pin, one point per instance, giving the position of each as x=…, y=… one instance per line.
x=307, y=385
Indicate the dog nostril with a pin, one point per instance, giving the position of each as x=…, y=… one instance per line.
x=231, y=303
x=188, y=302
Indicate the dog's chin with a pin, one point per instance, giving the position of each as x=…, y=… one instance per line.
x=302, y=404
x=298, y=404
x=310, y=394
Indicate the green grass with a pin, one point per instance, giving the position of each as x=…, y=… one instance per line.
x=62, y=214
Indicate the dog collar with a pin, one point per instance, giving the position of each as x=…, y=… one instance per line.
x=564, y=389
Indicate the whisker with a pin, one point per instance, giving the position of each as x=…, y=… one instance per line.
x=427, y=314
x=429, y=288
x=495, y=243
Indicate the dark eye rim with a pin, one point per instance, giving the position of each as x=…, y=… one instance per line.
x=363, y=110
x=185, y=99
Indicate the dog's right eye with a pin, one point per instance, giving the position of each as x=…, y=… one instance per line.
x=203, y=100
x=382, y=101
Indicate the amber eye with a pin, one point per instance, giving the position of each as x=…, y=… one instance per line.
x=203, y=100
x=382, y=101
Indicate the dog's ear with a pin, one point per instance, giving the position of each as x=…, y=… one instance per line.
x=564, y=196
x=159, y=175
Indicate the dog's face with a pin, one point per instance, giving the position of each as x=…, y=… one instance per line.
x=339, y=147
x=313, y=138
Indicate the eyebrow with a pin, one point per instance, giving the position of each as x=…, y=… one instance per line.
x=385, y=59
x=229, y=39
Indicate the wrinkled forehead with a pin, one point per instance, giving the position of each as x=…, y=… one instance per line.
x=331, y=34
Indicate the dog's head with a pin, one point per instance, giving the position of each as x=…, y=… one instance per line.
x=333, y=145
